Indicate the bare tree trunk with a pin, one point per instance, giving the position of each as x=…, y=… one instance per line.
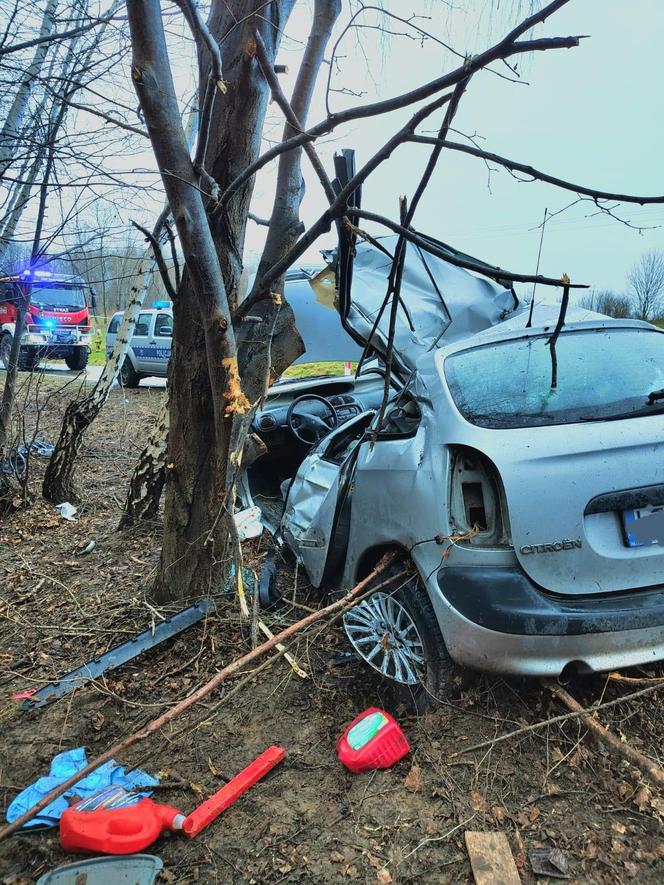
x=12, y=125
x=59, y=477
x=149, y=475
x=206, y=396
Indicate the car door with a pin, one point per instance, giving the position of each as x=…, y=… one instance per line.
x=317, y=493
x=161, y=342
x=140, y=342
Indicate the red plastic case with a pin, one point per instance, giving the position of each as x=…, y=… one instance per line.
x=372, y=740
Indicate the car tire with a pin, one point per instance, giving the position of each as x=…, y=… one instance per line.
x=78, y=359
x=26, y=359
x=436, y=671
x=128, y=377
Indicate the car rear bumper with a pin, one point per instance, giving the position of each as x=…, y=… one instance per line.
x=496, y=619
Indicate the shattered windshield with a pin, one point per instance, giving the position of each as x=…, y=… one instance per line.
x=601, y=375
x=49, y=296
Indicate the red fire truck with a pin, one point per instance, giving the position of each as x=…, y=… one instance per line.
x=58, y=321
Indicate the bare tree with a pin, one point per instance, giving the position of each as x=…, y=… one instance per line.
x=11, y=127
x=225, y=350
x=646, y=282
x=611, y=304
x=72, y=64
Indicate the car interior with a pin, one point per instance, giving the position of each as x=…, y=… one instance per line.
x=297, y=418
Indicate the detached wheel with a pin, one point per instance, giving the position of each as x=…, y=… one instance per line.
x=128, y=377
x=78, y=360
x=395, y=631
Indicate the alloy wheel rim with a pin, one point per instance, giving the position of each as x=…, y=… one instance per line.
x=384, y=634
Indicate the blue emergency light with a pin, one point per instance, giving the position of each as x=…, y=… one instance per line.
x=161, y=304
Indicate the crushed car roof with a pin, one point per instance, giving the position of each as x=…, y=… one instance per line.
x=439, y=302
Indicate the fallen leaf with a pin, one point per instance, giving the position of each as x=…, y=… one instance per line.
x=476, y=801
x=499, y=812
x=520, y=854
x=98, y=720
x=619, y=828
x=623, y=789
x=384, y=877
x=631, y=868
x=642, y=798
x=413, y=780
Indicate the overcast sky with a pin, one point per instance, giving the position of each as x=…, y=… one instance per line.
x=591, y=114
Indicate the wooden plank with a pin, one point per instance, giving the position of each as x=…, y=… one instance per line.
x=491, y=859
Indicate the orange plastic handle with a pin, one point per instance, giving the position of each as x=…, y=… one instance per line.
x=230, y=792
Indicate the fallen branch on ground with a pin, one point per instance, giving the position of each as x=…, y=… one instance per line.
x=650, y=769
x=563, y=718
x=173, y=712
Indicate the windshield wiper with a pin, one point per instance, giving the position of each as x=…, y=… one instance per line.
x=636, y=413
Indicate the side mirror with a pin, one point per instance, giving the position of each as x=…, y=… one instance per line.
x=93, y=298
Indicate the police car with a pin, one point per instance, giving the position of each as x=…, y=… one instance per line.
x=315, y=314
x=150, y=346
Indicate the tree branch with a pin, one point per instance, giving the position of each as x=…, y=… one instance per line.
x=159, y=258
x=62, y=35
x=215, y=79
x=459, y=260
x=515, y=166
x=338, y=208
x=291, y=117
x=500, y=51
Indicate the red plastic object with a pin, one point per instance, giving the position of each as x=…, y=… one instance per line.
x=107, y=823
x=372, y=740
x=124, y=830
x=230, y=792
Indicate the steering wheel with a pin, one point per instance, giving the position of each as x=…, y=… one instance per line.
x=310, y=429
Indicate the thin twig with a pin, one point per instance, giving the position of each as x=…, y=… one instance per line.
x=535, y=726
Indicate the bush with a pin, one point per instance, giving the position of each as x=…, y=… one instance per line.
x=609, y=303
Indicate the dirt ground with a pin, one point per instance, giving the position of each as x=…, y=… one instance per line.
x=310, y=820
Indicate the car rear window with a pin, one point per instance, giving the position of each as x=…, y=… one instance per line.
x=601, y=374
x=114, y=325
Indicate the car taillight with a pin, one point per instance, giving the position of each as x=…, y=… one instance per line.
x=478, y=508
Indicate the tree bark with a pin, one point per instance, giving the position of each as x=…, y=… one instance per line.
x=208, y=399
x=58, y=483
x=149, y=475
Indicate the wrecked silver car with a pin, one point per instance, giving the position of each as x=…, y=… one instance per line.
x=532, y=513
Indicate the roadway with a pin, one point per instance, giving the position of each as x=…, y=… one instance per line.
x=92, y=374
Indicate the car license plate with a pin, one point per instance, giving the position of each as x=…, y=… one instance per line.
x=644, y=527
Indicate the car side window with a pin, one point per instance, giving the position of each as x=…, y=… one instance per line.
x=114, y=325
x=163, y=326
x=143, y=324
